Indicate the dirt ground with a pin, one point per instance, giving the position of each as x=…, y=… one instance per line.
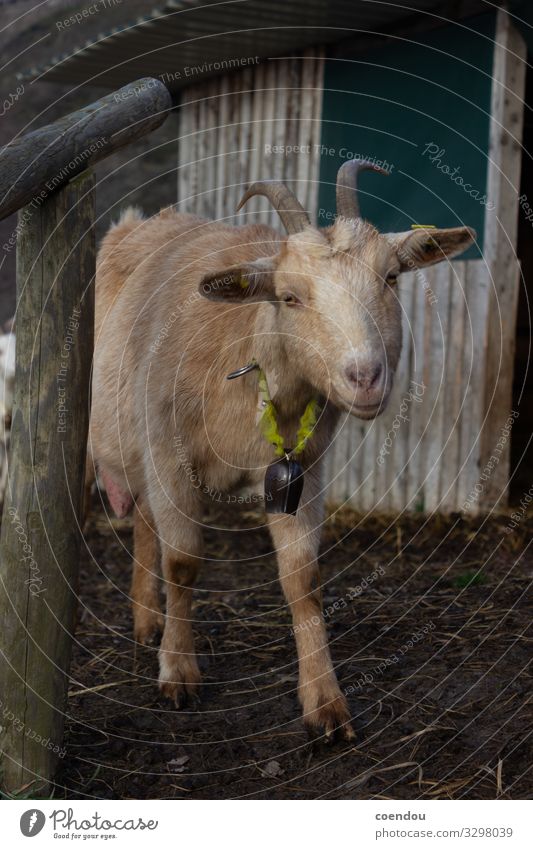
x=433, y=653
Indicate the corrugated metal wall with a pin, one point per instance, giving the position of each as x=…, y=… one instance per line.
x=423, y=452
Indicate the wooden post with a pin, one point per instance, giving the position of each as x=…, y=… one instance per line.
x=501, y=229
x=40, y=538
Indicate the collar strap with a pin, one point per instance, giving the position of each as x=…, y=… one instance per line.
x=269, y=420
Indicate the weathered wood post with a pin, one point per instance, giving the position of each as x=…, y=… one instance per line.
x=41, y=521
x=41, y=529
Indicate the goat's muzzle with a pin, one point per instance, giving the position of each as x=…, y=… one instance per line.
x=368, y=382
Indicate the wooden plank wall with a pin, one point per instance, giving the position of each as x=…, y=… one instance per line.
x=226, y=125
x=433, y=459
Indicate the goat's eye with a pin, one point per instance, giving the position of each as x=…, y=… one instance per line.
x=392, y=279
x=291, y=300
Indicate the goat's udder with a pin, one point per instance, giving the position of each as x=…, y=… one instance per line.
x=121, y=500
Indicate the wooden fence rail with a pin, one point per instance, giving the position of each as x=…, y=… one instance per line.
x=41, y=524
x=34, y=165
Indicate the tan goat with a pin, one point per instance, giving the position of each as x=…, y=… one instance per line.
x=319, y=311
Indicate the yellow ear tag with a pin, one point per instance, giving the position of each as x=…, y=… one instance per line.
x=430, y=243
x=243, y=282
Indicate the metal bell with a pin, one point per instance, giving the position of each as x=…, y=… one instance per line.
x=284, y=483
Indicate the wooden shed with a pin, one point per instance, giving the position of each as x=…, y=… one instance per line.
x=437, y=94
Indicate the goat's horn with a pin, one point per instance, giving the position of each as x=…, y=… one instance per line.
x=286, y=204
x=347, y=202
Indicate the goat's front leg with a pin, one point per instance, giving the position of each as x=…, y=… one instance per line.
x=296, y=539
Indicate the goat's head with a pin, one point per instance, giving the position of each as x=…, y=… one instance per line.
x=337, y=313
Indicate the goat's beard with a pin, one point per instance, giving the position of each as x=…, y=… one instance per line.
x=367, y=414
x=359, y=411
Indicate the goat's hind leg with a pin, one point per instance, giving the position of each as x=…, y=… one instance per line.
x=181, y=543
x=148, y=619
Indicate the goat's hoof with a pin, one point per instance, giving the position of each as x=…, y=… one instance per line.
x=330, y=722
x=182, y=695
x=147, y=629
x=179, y=679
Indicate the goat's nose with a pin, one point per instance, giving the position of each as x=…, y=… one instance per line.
x=364, y=375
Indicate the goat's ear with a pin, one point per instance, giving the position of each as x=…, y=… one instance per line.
x=421, y=247
x=253, y=281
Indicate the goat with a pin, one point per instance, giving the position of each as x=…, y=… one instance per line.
x=318, y=310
